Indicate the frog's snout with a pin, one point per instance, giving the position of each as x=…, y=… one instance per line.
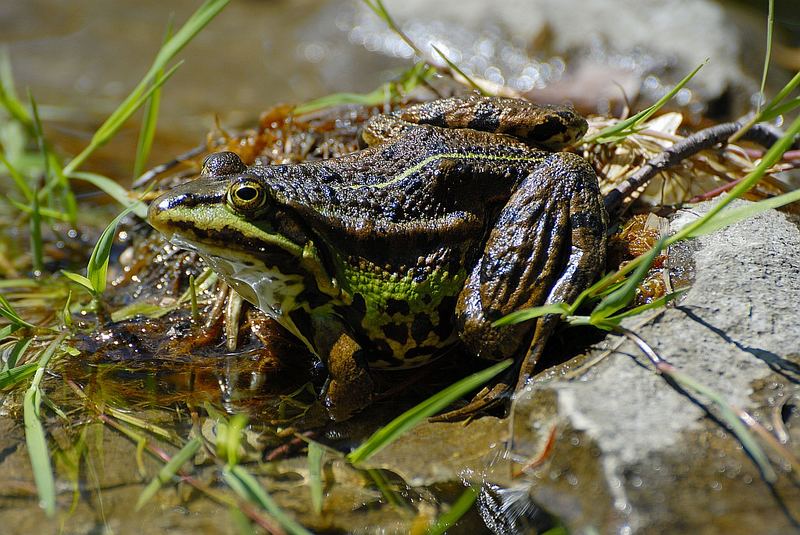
x=158, y=214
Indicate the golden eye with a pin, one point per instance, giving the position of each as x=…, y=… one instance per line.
x=246, y=195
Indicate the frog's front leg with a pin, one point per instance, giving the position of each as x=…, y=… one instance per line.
x=547, y=246
x=349, y=388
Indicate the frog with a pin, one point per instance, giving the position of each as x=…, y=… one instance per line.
x=454, y=213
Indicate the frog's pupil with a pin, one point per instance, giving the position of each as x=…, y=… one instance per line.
x=247, y=193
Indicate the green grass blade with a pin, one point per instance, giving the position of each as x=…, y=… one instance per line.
x=17, y=351
x=529, y=313
x=410, y=79
x=8, y=96
x=35, y=436
x=768, y=52
x=204, y=14
x=43, y=212
x=168, y=471
x=780, y=109
x=246, y=486
x=775, y=107
x=112, y=125
x=734, y=215
x=732, y=420
x=623, y=295
x=463, y=504
x=8, y=312
x=622, y=129
x=79, y=279
x=458, y=70
x=391, y=431
x=16, y=375
x=97, y=268
x=656, y=303
x=315, y=454
x=16, y=176
x=768, y=160
x=147, y=131
x=113, y=190
x=229, y=437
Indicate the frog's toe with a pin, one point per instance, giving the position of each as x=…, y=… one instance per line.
x=488, y=399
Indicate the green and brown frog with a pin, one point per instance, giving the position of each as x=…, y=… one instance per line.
x=457, y=213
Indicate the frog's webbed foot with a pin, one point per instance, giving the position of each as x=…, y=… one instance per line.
x=350, y=387
x=487, y=399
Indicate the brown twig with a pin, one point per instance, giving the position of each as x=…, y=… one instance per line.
x=703, y=139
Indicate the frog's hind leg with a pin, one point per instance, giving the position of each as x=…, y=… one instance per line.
x=381, y=129
x=547, y=246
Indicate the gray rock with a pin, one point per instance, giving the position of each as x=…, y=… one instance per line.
x=632, y=453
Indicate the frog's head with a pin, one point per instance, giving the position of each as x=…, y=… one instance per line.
x=256, y=243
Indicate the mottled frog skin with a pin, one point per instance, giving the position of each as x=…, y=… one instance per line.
x=457, y=213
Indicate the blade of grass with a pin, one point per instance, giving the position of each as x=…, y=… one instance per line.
x=734, y=215
x=379, y=9
x=696, y=228
x=623, y=295
x=17, y=351
x=112, y=125
x=767, y=53
x=78, y=279
x=391, y=431
x=14, y=376
x=168, y=471
x=410, y=79
x=97, y=268
x=147, y=131
x=731, y=419
x=43, y=212
x=8, y=95
x=204, y=14
x=780, y=109
x=530, y=313
x=656, y=303
x=8, y=312
x=769, y=159
x=19, y=180
x=52, y=168
x=114, y=190
x=769, y=111
x=37, y=245
x=246, y=486
x=458, y=70
x=34, y=432
x=315, y=453
x=389, y=494
x=463, y=504
x=622, y=129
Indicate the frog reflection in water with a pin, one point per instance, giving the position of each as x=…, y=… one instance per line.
x=456, y=214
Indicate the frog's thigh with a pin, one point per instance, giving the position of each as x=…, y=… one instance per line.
x=350, y=386
x=547, y=245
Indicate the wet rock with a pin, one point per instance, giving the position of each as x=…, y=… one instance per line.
x=634, y=454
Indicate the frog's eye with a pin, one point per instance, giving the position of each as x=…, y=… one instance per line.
x=223, y=164
x=246, y=195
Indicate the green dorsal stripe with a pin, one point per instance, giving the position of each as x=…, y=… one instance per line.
x=454, y=155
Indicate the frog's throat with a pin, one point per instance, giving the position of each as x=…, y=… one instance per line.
x=267, y=287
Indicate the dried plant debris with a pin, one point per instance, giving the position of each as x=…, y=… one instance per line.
x=707, y=173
